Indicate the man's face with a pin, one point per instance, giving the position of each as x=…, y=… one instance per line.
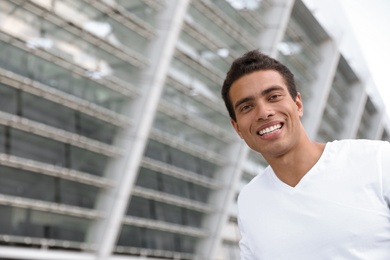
x=267, y=117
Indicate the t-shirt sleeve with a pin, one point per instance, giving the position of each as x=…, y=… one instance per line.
x=245, y=251
x=385, y=159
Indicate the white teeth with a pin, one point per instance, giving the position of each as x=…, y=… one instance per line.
x=270, y=129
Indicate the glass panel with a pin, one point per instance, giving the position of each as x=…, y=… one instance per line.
x=168, y=213
x=149, y=209
x=47, y=112
x=8, y=99
x=102, y=25
x=140, y=207
x=141, y=10
x=184, y=161
x=2, y=139
x=190, y=105
x=187, y=133
x=185, y=244
x=96, y=129
x=53, y=114
x=158, y=181
x=210, y=25
x=77, y=194
x=198, y=79
x=207, y=168
x=13, y=59
x=164, y=241
x=38, y=148
x=235, y=15
x=200, y=193
x=148, y=179
x=31, y=223
x=86, y=161
x=192, y=218
x=64, y=45
x=48, y=73
x=169, y=155
x=6, y=226
x=26, y=184
x=130, y=236
x=215, y=58
x=175, y=186
x=31, y=185
x=158, y=151
x=154, y=239
x=83, y=87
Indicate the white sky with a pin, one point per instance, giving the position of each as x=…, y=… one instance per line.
x=370, y=20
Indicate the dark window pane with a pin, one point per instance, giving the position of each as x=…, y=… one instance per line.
x=147, y=179
x=32, y=185
x=168, y=213
x=139, y=207
x=192, y=218
x=31, y=223
x=37, y=148
x=96, y=129
x=157, y=240
x=169, y=155
x=130, y=236
x=76, y=194
x=86, y=161
x=8, y=99
x=2, y=139
x=200, y=193
x=158, y=151
x=47, y=112
x=175, y=186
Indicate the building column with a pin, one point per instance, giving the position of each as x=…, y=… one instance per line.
x=277, y=21
x=228, y=176
x=124, y=171
x=325, y=70
x=355, y=111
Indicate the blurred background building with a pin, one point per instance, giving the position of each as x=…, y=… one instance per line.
x=114, y=142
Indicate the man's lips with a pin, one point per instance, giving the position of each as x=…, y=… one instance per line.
x=270, y=129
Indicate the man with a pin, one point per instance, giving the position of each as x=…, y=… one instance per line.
x=314, y=200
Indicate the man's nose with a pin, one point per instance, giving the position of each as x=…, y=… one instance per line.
x=264, y=111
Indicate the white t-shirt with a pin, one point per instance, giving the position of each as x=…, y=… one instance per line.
x=339, y=210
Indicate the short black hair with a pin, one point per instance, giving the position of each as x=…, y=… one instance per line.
x=250, y=62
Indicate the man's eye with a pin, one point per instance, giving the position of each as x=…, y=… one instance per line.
x=276, y=96
x=246, y=107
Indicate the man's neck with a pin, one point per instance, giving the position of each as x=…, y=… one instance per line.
x=291, y=167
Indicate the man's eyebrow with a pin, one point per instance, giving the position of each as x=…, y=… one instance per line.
x=243, y=100
x=263, y=93
x=271, y=89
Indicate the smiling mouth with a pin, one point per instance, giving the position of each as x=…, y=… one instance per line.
x=269, y=130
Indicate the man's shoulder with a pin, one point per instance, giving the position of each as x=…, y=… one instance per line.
x=357, y=143
x=255, y=185
x=359, y=149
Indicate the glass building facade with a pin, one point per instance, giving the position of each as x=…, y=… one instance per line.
x=114, y=141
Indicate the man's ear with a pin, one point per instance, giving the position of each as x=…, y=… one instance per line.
x=235, y=125
x=299, y=103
